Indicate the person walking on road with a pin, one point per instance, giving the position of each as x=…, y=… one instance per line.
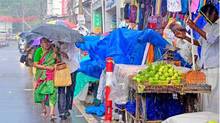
x=69, y=55
x=44, y=90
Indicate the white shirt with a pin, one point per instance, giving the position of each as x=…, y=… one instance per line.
x=210, y=47
x=74, y=56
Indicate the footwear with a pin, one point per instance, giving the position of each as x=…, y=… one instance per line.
x=67, y=114
x=53, y=117
x=63, y=117
x=44, y=113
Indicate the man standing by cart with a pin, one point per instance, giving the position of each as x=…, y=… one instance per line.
x=209, y=62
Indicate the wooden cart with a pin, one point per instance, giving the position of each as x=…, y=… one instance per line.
x=182, y=89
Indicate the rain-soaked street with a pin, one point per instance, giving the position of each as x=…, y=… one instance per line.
x=16, y=99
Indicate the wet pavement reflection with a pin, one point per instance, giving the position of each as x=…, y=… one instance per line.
x=16, y=98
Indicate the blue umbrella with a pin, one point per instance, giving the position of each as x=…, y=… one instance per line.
x=57, y=33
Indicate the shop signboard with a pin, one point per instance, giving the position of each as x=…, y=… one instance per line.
x=97, y=22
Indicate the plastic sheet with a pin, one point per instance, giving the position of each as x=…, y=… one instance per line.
x=123, y=45
x=119, y=93
x=97, y=110
x=89, y=42
x=102, y=82
x=162, y=106
x=81, y=81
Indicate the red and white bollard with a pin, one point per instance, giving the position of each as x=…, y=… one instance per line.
x=108, y=101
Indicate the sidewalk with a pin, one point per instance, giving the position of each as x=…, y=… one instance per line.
x=89, y=118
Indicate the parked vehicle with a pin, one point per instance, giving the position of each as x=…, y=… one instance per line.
x=22, y=45
x=27, y=55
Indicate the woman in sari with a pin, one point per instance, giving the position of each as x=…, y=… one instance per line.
x=45, y=92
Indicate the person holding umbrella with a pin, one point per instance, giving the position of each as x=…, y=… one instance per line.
x=44, y=90
x=209, y=42
x=59, y=33
x=69, y=55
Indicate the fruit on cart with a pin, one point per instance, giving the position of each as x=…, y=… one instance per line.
x=159, y=74
x=212, y=121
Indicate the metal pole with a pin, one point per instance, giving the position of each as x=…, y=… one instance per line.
x=191, y=32
x=6, y=32
x=81, y=16
x=92, y=12
x=80, y=7
x=22, y=15
x=71, y=12
x=118, y=12
x=103, y=16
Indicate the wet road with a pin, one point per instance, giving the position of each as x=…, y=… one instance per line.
x=16, y=99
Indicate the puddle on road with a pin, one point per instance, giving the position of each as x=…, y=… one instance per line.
x=28, y=89
x=10, y=92
x=4, y=59
x=79, y=116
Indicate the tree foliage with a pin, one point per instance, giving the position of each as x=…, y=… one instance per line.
x=18, y=8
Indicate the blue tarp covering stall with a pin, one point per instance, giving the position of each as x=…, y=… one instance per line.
x=125, y=46
x=89, y=42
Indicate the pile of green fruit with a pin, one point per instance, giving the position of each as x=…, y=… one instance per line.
x=159, y=74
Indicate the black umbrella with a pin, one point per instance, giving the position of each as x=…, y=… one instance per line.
x=31, y=36
x=23, y=34
x=58, y=33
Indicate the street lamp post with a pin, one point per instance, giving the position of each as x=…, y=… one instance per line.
x=81, y=18
x=80, y=7
x=22, y=7
x=103, y=16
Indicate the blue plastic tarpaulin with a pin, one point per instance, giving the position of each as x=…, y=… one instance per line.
x=96, y=110
x=125, y=46
x=89, y=42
